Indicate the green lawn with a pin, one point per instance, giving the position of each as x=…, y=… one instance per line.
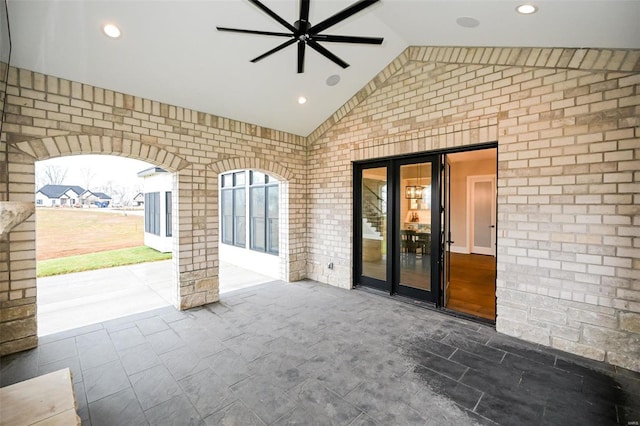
x=104, y=259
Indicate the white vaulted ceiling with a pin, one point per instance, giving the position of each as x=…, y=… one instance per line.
x=170, y=51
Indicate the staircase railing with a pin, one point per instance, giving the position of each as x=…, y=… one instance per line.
x=379, y=205
x=374, y=209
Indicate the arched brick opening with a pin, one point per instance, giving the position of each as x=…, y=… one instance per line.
x=291, y=268
x=59, y=146
x=193, y=286
x=50, y=117
x=237, y=163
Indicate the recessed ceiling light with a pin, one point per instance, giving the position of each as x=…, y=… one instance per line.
x=302, y=100
x=111, y=30
x=467, y=22
x=333, y=80
x=526, y=9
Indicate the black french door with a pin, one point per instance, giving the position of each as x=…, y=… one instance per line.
x=373, y=213
x=397, y=226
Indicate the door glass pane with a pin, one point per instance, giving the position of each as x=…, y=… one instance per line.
x=273, y=219
x=227, y=216
x=239, y=219
x=374, y=223
x=258, y=232
x=482, y=214
x=415, y=226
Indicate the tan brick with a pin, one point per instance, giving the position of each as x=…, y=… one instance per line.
x=568, y=167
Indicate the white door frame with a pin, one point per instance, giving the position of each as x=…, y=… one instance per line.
x=471, y=180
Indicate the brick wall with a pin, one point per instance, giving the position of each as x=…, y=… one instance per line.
x=567, y=125
x=567, y=122
x=49, y=117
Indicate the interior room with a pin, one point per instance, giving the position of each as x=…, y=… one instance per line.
x=473, y=267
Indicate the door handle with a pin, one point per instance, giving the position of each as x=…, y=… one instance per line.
x=492, y=226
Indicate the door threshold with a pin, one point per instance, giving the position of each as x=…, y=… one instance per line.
x=397, y=297
x=426, y=305
x=469, y=317
x=421, y=303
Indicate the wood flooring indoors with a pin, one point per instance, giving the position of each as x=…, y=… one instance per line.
x=473, y=285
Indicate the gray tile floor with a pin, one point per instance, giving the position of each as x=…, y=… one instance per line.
x=307, y=353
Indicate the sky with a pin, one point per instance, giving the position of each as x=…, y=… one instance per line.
x=119, y=170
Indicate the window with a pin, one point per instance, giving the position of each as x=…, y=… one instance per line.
x=227, y=216
x=39, y=202
x=239, y=219
x=273, y=219
x=168, y=218
x=258, y=219
x=152, y=213
x=264, y=213
x=262, y=199
x=233, y=200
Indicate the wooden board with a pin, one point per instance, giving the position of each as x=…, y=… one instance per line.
x=44, y=400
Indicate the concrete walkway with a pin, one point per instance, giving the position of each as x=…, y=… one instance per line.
x=76, y=300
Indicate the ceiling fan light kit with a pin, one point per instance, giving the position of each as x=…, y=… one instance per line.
x=305, y=34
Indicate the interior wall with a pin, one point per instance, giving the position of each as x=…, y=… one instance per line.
x=459, y=211
x=567, y=123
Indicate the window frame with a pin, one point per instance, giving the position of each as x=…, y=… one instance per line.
x=152, y=213
x=168, y=214
x=264, y=186
x=235, y=188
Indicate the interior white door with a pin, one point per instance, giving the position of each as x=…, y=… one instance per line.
x=482, y=214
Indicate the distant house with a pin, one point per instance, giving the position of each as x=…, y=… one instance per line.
x=69, y=196
x=59, y=195
x=99, y=199
x=157, y=208
x=138, y=200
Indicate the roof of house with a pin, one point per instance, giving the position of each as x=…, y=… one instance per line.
x=151, y=171
x=99, y=195
x=56, y=191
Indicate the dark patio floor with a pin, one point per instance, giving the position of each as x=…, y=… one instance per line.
x=307, y=353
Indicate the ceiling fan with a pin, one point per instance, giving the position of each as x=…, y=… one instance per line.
x=305, y=34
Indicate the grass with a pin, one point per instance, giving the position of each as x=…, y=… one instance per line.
x=101, y=260
x=64, y=232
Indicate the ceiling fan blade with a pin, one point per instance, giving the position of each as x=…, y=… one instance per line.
x=301, y=47
x=347, y=39
x=274, y=50
x=304, y=10
x=341, y=16
x=269, y=33
x=324, y=52
x=271, y=13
